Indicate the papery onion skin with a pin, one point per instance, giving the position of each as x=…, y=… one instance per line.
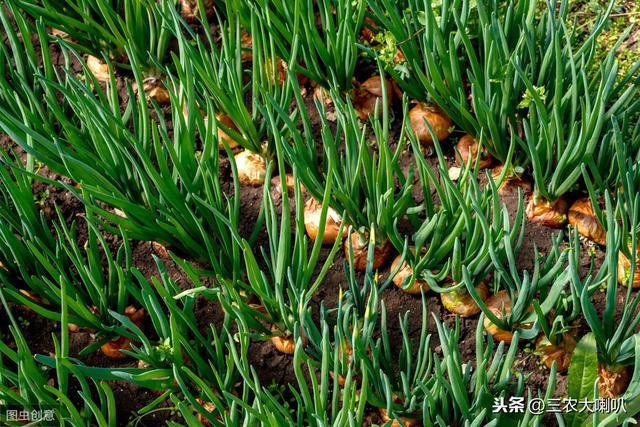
x=624, y=270
x=560, y=353
x=252, y=168
x=154, y=89
x=360, y=245
x=612, y=381
x=405, y=272
x=312, y=212
x=112, y=348
x=511, y=183
x=222, y=135
x=553, y=215
x=460, y=302
x=189, y=9
x=406, y=422
x=496, y=303
x=583, y=217
x=98, y=68
x=286, y=344
x=437, y=119
x=468, y=147
x=368, y=94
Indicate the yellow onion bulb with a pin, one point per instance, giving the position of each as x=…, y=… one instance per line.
x=549, y=214
x=252, y=168
x=497, y=304
x=624, y=270
x=406, y=421
x=560, y=353
x=460, y=302
x=312, y=213
x=404, y=273
x=222, y=135
x=112, y=348
x=612, y=381
x=583, y=217
x=511, y=182
x=467, y=148
x=98, y=68
x=437, y=119
x=367, y=95
x=154, y=89
x=286, y=344
x=360, y=244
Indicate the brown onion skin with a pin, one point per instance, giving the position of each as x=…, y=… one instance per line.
x=154, y=90
x=511, y=183
x=406, y=422
x=405, y=272
x=553, y=215
x=368, y=94
x=460, y=302
x=624, y=270
x=360, y=249
x=583, y=217
x=112, y=348
x=312, y=211
x=189, y=9
x=439, y=121
x=98, y=68
x=612, y=381
x=495, y=303
x=468, y=147
x=223, y=137
x=560, y=353
x=286, y=344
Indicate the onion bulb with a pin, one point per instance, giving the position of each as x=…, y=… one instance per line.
x=189, y=9
x=112, y=348
x=160, y=250
x=2, y=267
x=497, y=304
x=406, y=421
x=252, y=168
x=583, y=217
x=286, y=343
x=406, y=272
x=460, y=302
x=560, y=353
x=288, y=181
x=360, y=243
x=624, y=270
x=98, y=68
x=511, y=182
x=612, y=381
x=154, y=89
x=549, y=214
x=222, y=135
x=368, y=94
x=468, y=147
x=246, y=43
x=209, y=407
x=312, y=212
x=437, y=119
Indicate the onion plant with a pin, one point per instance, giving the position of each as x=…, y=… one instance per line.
x=510, y=309
x=38, y=264
x=613, y=333
x=219, y=75
x=109, y=28
x=165, y=188
x=285, y=285
x=455, y=231
x=363, y=172
x=326, y=53
x=569, y=117
x=25, y=383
